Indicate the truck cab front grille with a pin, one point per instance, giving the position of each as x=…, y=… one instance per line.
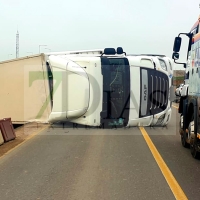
x=157, y=91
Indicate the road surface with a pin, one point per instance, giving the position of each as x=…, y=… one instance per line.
x=69, y=163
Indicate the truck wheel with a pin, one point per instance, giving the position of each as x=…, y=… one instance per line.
x=193, y=140
x=183, y=140
x=183, y=133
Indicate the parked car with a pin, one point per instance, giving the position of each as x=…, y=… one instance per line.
x=178, y=89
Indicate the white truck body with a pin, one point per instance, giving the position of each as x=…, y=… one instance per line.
x=189, y=106
x=87, y=87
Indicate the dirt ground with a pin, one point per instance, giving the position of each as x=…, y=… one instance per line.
x=22, y=133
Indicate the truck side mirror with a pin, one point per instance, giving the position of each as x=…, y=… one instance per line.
x=177, y=44
x=175, y=56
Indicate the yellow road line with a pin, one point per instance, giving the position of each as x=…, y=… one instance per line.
x=28, y=138
x=175, y=106
x=173, y=184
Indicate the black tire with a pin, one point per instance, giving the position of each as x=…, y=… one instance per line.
x=193, y=141
x=183, y=140
x=193, y=149
x=183, y=133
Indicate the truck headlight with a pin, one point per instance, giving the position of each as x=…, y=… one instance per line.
x=163, y=65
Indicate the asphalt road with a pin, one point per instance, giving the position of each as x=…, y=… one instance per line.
x=79, y=163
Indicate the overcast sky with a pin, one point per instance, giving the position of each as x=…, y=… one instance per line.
x=138, y=26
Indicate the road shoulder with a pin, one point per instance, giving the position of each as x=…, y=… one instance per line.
x=23, y=133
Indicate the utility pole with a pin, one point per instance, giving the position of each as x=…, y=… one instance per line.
x=17, y=44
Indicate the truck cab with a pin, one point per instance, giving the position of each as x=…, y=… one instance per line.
x=107, y=87
x=189, y=107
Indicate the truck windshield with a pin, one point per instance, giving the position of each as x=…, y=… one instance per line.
x=116, y=91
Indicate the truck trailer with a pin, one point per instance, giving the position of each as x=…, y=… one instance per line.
x=24, y=89
x=102, y=87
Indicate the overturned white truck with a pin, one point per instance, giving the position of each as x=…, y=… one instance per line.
x=94, y=88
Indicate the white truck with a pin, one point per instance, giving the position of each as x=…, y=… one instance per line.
x=189, y=106
x=94, y=87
